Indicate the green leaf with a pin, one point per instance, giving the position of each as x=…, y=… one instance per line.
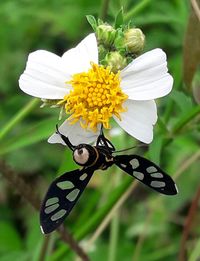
x=34, y=235
x=33, y=134
x=183, y=101
x=18, y=117
x=195, y=252
x=185, y=119
x=92, y=21
x=15, y=255
x=9, y=238
x=155, y=149
x=119, y=19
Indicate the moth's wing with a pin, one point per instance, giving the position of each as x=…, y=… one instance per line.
x=61, y=197
x=147, y=172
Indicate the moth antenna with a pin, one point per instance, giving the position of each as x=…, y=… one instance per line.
x=136, y=146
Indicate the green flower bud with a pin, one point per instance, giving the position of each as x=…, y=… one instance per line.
x=119, y=40
x=115, y=61
x=102, y=52
x=105, y=34
x=134, y=40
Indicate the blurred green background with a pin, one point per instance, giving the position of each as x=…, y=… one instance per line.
x=148, y=226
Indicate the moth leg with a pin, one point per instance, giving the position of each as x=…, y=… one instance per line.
x=65, y=139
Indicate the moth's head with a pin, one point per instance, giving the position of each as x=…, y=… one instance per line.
x=85, y=155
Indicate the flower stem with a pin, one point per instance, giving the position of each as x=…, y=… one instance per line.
x=43, y=252
x=141, y=239
x=114, y=238
x=19, y=116
x=114, y=228
x=104, y=9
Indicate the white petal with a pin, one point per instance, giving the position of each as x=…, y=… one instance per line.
x=139, y=119
x=75, y=133
x=78, y=59
x=146, y=78
x=44, y=76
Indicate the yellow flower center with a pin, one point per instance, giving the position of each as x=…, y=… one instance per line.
x=96, y=96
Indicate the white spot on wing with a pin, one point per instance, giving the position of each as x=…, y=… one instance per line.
x=157, y=175
x=65, y=185
x=123, y=165
x=58, y=215
x=83, y=177
x=134, y=163
x=51, y=208
x=138, y=175
x=73, y=194
x=151, y=169
x=51, y=201
x=157, y=184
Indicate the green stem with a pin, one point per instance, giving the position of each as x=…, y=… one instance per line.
x=141, y=239
x=168, y=111
x=137, y=9
x=43, y=251
x=114, y=238
x=18, y=117
x=104, y=9
x=162, y=126
x=114, y=228
x=51, y=246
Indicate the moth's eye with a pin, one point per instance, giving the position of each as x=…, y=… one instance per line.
x=81, y=156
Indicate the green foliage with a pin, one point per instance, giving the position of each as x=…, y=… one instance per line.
x=9, y=238
x=119, y=19
x=149, y=225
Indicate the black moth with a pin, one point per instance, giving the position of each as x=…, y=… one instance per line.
x=65, y=191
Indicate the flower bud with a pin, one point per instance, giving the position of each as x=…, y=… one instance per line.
x=134, y=40
x=115, y=61
x=102, y=52
x=105, y=34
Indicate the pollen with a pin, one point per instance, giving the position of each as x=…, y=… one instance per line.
x=95, y=97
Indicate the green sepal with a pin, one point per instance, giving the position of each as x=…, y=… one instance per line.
x=92, y=21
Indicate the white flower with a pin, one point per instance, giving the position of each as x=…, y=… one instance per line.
x=92, y=94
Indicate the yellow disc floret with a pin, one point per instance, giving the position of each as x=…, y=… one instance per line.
x=95, y=97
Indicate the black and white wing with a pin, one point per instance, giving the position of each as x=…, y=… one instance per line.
x=147, y=172
x=61, y=197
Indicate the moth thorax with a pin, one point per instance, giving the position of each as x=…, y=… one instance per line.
x=81, y=155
